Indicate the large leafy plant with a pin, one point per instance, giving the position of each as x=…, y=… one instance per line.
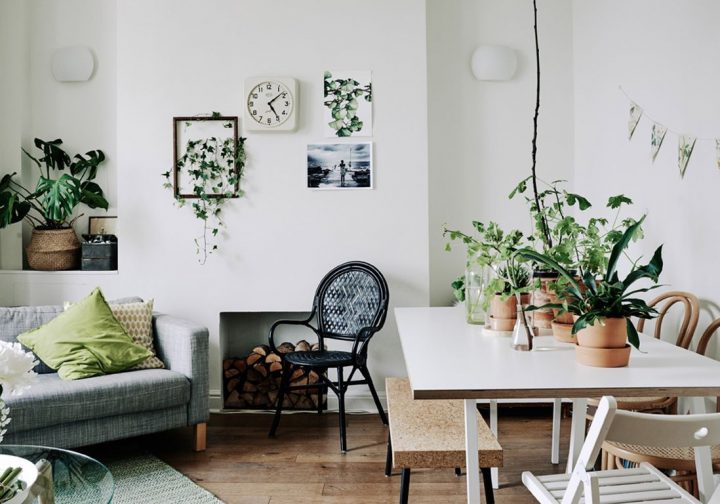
x=593, y=299
x=64, y=183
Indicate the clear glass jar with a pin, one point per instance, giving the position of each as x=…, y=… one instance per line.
x=522, y=332
x=476, y=280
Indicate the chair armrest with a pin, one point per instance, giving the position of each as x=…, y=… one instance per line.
x=304, y=323
x=183, y=347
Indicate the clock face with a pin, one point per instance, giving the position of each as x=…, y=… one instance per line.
x=270, y=103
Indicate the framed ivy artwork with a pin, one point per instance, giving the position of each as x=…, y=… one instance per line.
x=207, y=157
x=347, y=103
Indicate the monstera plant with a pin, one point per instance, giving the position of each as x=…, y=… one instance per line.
x=64, y=183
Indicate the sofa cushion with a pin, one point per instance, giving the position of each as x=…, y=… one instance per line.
x=52, y=401
x=84, y=341
x=17, y=320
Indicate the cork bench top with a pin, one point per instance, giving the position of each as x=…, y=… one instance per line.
x=431, y=433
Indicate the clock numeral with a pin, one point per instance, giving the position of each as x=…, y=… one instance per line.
x=287, y=103
x=269, y=87
x=251, y=104
x=284, y=95
x=284, y=112
x=254, y=112
x=255, y=96
x=269, y=120
x=260, y=119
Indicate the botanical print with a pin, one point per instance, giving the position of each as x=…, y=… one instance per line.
x=717, y=151
x=340, y=166
x=686, y=143
x=348, y=103
x=656, y=139
x=635, y=115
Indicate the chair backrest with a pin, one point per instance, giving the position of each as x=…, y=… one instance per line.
x=699, y=432
x=351, y=297
x=690, y=317
x=707, y=335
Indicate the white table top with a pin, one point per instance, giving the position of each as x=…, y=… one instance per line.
x=448, y=358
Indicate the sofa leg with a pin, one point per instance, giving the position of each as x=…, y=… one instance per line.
x=199, y=436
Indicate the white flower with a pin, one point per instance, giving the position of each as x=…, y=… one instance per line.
x=16, y=368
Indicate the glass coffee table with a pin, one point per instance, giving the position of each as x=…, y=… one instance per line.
x=76, y=478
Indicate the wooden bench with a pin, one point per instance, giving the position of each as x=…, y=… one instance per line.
x=431, y=434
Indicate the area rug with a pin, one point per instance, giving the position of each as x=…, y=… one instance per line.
x=145, y=479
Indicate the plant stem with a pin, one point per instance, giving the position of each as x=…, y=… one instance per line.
x=543, y=220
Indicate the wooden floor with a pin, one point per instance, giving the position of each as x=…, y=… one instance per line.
x=304, y=465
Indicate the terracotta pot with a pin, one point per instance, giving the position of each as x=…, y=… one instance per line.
x=53, y=250
x=605, y=333
x=603, y=357
x=542, y=319
x=507, y=309
x=563, y=332
x=501, y=324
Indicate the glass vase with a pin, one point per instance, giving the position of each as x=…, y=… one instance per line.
x=476, y=280
x=522, y=332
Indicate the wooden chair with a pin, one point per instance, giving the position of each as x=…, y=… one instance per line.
x=691, y=313
x=431, y=434
x=678, y=459
x=640, y=484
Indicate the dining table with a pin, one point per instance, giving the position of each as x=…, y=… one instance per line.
x=447, y=358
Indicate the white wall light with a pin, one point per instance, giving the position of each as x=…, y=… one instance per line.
x=73, y=64
x=493, y=63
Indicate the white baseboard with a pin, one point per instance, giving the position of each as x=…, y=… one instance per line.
x=354, y=403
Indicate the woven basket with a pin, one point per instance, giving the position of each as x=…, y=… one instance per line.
x=53, y=250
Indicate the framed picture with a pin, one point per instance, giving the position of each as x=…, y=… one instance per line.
x=347, y=103
x=206, y=144
x=102, y=225
x=340, y=166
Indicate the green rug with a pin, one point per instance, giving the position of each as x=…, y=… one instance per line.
x=145, y=479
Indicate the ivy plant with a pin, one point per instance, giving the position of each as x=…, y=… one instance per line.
x=341, y=97
x=212, y=167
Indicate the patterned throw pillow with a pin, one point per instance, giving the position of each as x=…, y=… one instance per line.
x=136, y=318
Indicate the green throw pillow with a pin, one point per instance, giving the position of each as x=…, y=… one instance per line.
x=86, y=340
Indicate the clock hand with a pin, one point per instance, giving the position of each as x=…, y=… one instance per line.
x=278, y=96
x=273, y=110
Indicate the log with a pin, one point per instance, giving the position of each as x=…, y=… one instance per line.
x=285, y=348
x=253, y=358
x=261, y=350
x=249, y=387
x=261, y=369
x=227, y=363
x=233, y=400
x=275, y=367
x=302, y=346
x=296, y=374
x=232, y=384
x=273, y=357
x=231, y=372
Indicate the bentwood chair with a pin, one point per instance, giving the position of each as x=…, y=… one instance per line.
x=644, y=483
x=680, y=460
x=350, y=305
x=689, y=320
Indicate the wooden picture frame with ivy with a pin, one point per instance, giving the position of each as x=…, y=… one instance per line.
x=223, y=173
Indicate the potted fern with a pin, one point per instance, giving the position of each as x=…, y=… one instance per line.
x=64, y=183
x=603, y=307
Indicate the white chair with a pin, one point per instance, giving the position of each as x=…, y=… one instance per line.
x=641, y=484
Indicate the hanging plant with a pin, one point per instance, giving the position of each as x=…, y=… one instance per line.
x=209, y=163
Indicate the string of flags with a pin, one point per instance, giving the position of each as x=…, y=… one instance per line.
x=658, y=132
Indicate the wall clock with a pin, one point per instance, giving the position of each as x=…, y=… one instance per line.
x=271, y=103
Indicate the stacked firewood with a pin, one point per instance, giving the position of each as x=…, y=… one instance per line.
x=253, y=382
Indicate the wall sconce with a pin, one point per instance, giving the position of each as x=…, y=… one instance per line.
x=73, y=64
x=493, y=63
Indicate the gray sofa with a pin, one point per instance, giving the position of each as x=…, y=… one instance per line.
x=68, y=414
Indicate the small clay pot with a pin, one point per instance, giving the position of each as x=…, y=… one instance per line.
x=501, y=324
x=563, y=332
x=605, y=333
x=506, y=309
x=603, y=357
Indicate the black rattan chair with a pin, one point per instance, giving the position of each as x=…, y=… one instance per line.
x=350, y=304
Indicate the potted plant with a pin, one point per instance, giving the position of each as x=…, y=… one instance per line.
x=508, y=283
x=603, y=307
x=64, y=183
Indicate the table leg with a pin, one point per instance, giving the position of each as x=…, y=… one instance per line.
x=494, y=477
x=555, y=438
x=577, y=431
x=471, y=452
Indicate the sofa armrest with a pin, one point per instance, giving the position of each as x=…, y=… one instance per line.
x=183, y=347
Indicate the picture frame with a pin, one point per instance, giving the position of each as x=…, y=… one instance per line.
x=346, y=166
x=189, y=131
x=102, y=224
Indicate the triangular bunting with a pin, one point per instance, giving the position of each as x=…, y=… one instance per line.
x=686, y=144
x=635, y=115
x=656, y=139
x=717, y=151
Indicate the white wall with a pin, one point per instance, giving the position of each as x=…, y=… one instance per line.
x=480, y=132
x=664, y=54
x=182, y=58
